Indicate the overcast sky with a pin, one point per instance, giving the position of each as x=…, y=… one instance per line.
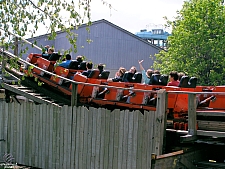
x=134, y=15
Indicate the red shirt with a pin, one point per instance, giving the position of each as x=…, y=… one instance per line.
x=173, y=83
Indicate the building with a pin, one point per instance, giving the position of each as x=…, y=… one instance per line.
x=157, y=37
x=110, y=45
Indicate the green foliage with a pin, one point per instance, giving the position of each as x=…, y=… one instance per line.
x=28, y=18
x=25, y=16
x=196, y=46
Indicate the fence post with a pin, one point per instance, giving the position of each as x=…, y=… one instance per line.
x=3, y=68
x=192, y=122
x=16, y=46
x=159, y=133
x=74, y=95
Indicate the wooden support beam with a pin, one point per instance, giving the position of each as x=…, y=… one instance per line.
x=27, y=95
x=178, y=159
x=74, y=95
x=160, y=123
x=188, y=138
x=213, y=113
x=192, y=119
x=211, y=133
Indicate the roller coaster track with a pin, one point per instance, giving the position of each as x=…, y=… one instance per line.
x=29, y=88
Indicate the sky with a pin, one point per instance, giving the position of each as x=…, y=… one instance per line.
x=134, y=15
x=131, y=15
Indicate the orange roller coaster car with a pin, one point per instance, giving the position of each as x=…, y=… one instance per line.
x=129, y=95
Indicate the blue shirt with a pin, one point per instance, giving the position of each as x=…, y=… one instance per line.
x=144, y=77
x=65, y=64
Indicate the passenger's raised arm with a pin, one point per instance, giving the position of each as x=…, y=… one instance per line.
x=146, y=75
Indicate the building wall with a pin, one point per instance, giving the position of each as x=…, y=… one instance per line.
x=110, y=45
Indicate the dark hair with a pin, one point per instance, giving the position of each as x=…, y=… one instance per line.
x=135, y=69
x=122, y=70
x=89, y=65
x=180, y=75
x=68, y=57
x=79, y=59
x=149, y=73
x=174, y=75
x=100, y=66
x=157, y=72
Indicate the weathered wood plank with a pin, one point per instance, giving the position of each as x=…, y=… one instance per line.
x=210, y=133
x=24, y=127
x=210, y=113
x=102, y=139
x=121, y=128
x=106, y=141
x=160, y=122
x=27, y=124
x=14, y=128
x=111, y=135
x=85, y=142
x=135, y=139
x=61, y=136
x=125, y=139
x=19, y=132
x=28, y=133
x=22, y=122
x=53, y=136
x=69, y=124
x=144, y=140
x=10, y=135
x=174, y=160
x=130, y=139
x=81, y=133
x=50, y=143
x=73, y=139
x=7, y=125
x=89, y=137
x=57, y=141
x=44, y=135
x=1, y=129
x=98, y=137
x=27, y=95
x=40, y=122
x=150, y=139
x=116, y=138
x=211, y=125
x=78, y=143
x=33, y=129
x=94, y=135
x=192, y=119
x=140, y=140
x=33, y=140
x=65, y=137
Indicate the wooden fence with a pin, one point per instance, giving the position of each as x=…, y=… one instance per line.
x=47, y=136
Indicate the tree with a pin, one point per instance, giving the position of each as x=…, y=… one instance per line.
x=23, y=19
x=27, y=18
x=196, y=45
